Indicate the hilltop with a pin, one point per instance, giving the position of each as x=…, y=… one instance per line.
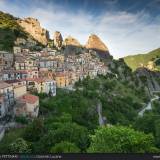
x=135, y=61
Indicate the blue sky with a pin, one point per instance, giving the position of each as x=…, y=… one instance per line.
x=126, y=26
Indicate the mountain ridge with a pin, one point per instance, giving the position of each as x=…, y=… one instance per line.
x=139, y=60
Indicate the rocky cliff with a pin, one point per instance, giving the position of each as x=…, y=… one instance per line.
x=32, y=26
x=95, y=43
x=70, y=41
x=58, y=39
x=72, y=46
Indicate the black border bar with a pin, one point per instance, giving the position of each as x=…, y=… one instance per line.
x=79, y=156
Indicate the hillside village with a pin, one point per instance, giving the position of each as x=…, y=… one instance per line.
x=25, y=72
x=58, y=95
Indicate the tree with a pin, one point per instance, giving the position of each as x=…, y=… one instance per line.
x=145, y=123
x=65, y=147
x=157, y=132
x=74, y=133
x=34, y=131
x=70, y=132
x=19, y=146
x=119, y=139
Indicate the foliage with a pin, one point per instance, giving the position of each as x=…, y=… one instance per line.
x=10, y=30
x=10, y=138
x=34, y=131
x=65, y=147
x=19, y=146
x=70, y=132
x=157, y=132
x=118, y=139
x=21, y=119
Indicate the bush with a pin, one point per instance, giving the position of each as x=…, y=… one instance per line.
x=119, y=139
x=65, y=147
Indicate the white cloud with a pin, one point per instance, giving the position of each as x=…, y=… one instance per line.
x=123, y=32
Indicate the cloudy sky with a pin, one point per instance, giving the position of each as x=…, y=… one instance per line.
x=125, y=26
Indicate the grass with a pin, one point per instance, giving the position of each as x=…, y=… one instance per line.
x=134, y=61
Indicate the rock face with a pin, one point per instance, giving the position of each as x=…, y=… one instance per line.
x=71, y=46
x=148, y=77
x=70, y=41
x=58, y=39
x=95, y=43
x=32, y=26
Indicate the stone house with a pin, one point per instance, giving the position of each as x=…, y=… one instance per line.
x=42, y=85
x=6, y=60
x=27, y=105
x=6, y=90
x=19, y=87
x=62, y=79
x=17, y=50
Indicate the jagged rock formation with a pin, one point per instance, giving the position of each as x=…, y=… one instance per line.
x=70, y=41
x=32, y=26
x=58, y=39
x=72, y=46
x=95, y=43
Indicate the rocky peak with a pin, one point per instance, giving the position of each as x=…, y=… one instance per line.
x=32, y=26
x=58, y=39
x=94, y=42
x=71, y=41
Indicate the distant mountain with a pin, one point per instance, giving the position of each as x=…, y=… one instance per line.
x=139, y=60
x=11, y=33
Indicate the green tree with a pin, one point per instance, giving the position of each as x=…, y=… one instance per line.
x=34, y=131
x=65, y=147
x=119, y=139
x=74, y=133
x=70, y=132
x=157, y=132
x=19, y=146
x=145, y=123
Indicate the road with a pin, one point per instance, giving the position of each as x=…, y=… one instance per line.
x=148, y=106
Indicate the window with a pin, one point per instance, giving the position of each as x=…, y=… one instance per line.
x=31, y=83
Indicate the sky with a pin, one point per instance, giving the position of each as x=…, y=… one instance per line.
x=127, y=27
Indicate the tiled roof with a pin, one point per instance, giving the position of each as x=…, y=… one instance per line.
x=29, y=98
x=12, y=81
x=38, y=80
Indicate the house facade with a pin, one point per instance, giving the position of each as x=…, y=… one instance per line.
x=27, y=105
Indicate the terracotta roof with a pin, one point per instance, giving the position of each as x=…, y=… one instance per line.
x=38, y=80
x=29, y=98
x=60, y=74
x=12, y=81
